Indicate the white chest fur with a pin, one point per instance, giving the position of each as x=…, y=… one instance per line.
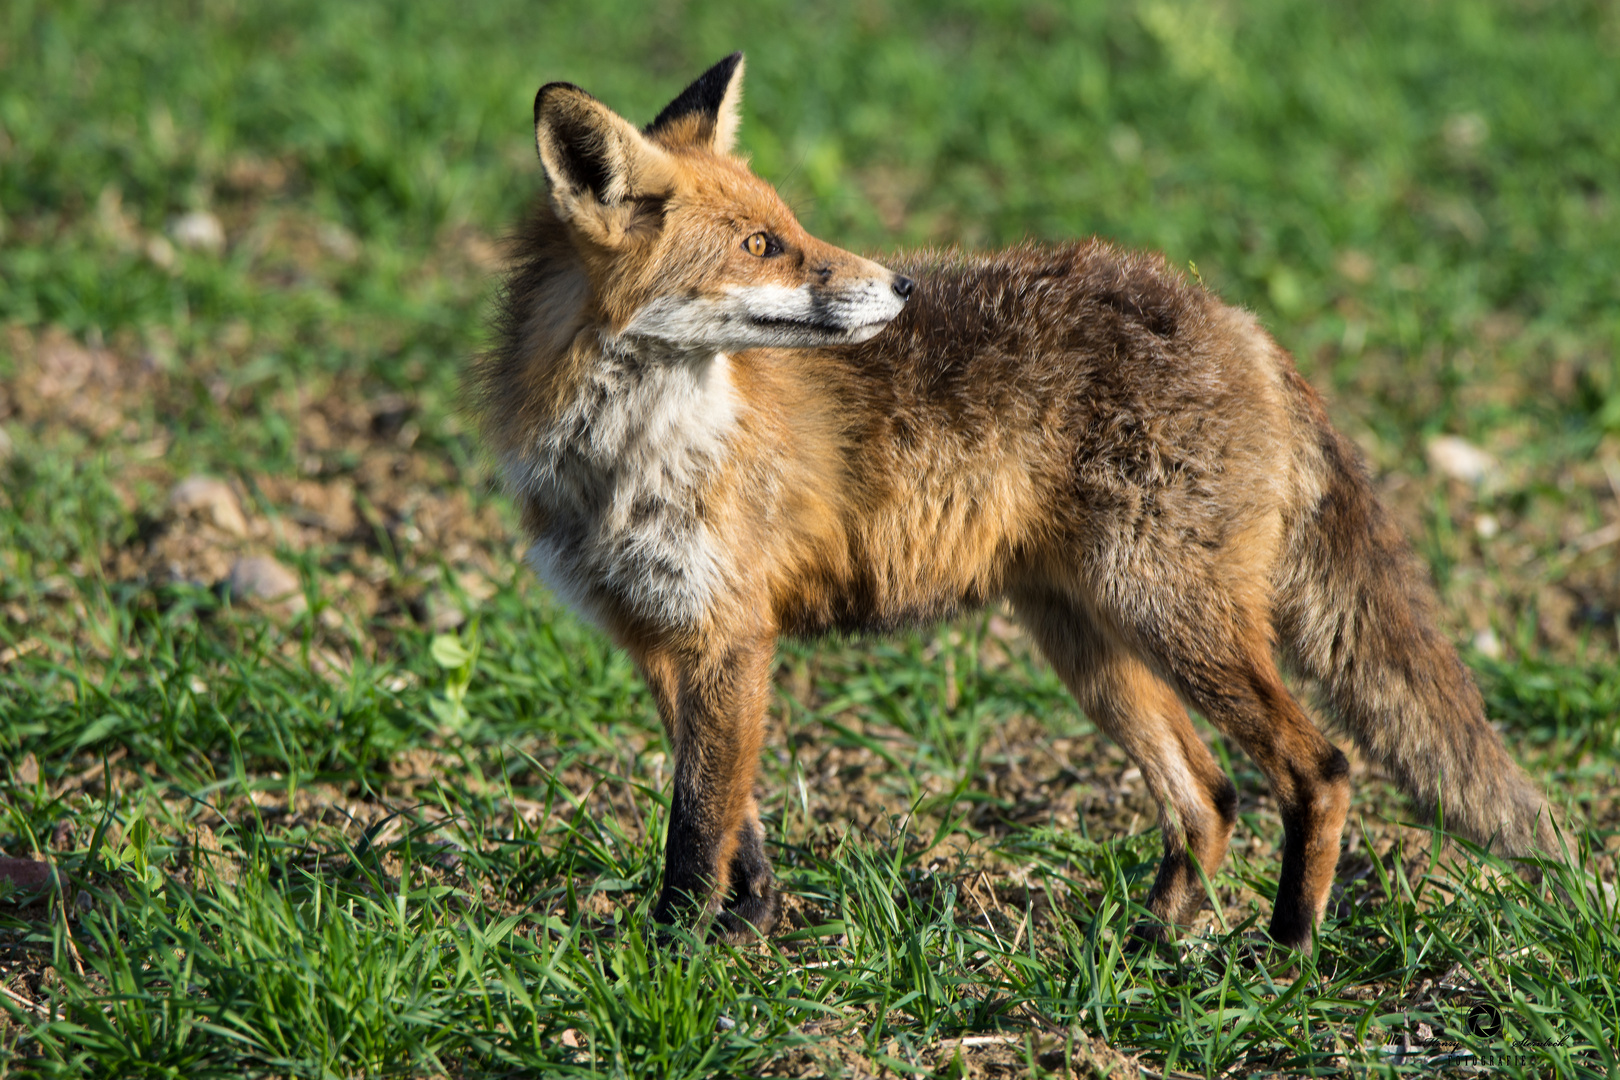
x=618, y=479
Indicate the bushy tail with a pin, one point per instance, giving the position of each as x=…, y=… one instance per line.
x=1356, y=614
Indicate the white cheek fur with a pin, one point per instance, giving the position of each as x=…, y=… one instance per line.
x=773, y=301
x=754, y=316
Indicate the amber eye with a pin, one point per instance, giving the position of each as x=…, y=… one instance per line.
x=761, y=244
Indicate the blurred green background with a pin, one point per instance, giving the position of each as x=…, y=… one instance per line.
x=1370, y=176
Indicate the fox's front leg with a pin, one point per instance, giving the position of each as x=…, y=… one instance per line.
x=713, y=704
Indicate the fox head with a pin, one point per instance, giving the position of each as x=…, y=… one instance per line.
x=681, y=242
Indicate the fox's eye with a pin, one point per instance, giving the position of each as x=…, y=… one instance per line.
x=760, y=245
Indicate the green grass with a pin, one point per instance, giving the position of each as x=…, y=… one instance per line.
x=361, y=837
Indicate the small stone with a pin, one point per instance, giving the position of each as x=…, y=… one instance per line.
x=1465, y=132
x=443, y=613
x=25, y=875
x=1488, y=644
x=337, y=241
x=160, y=252
x=65, y=366
x=477, y=587
x=1461, y=460
x=26, y=771
x=263, y=578
x=211, y=500
x=389, y=413
x=1356, y=266
x=250, y=175
x=329, y=506
x=1486, y=527
x=236, y=335
x=113, y=223
x=198, y=231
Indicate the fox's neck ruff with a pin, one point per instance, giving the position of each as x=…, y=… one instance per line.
x=618, y=477
x=648, y=397
x=634, y=351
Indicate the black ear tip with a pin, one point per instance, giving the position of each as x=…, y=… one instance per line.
x=704, y=96
x=727, y=68
x=552, y=87
x=720, y=74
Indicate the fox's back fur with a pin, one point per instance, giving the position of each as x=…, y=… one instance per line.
x=710, y=451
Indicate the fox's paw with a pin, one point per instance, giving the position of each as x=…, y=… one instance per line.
x=747, y=917
x=1147, y=936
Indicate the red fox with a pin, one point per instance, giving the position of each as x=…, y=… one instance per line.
x=719, y=430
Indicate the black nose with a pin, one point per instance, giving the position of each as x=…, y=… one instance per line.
x=903, y=286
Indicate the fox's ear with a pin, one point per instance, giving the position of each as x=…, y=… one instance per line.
x=597, y=162
x=707, y=113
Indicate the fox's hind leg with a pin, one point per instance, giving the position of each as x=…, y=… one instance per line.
x=1218, y=656
x=713, y=705
x=1132, y=706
